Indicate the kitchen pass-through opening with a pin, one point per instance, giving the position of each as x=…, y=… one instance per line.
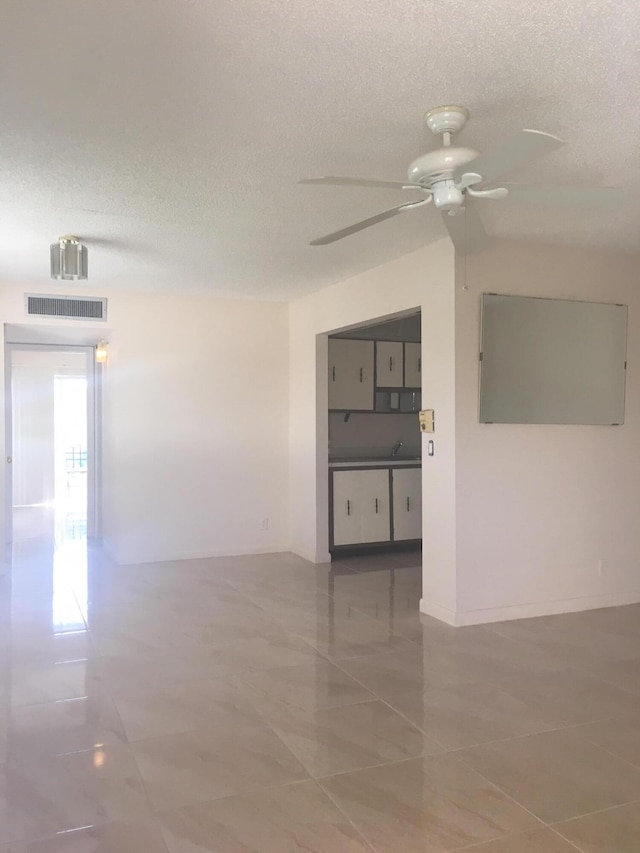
x=374, y=397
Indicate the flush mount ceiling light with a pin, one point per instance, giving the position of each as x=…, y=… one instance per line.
x=69, y=259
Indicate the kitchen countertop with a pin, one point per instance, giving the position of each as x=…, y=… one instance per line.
x=374, y=462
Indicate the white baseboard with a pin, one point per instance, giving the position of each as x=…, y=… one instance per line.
x=311, y=556
x=438, y=612
x=542, y=608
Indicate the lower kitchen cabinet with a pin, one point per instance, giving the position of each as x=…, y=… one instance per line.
x=361, y=506
x=407, y=503
x=361, y=511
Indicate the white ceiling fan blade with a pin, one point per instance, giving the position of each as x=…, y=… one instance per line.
x=466, y=230
x=509, y=155
x=334, y=181
x=366, y=223
x=468, y=179
x=563, y=196
x=494, y=194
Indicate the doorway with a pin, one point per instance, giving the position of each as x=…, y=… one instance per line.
x=374, y=438
x=52, y=449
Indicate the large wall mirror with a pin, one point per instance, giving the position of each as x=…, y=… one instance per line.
x=552, y=361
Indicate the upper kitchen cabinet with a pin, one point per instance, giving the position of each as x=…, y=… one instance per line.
x=389, y=364
x=351, y=375
x=412, y=365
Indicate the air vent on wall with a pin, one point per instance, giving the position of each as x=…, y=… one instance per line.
x=66, y=307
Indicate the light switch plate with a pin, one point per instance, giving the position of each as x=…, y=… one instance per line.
x=427, y=420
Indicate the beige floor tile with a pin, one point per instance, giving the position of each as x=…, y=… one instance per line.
x=621, y=673
x=37, y=682
x=333, y=740
x=569, y=697
x=44, y=795
x=146, y=666
x=46, y=648
x=354, y=638
x=536, y=841
x=266, y=652
x=122, y=837
x=433, y=804
x=117, y=637
x=163, y=709
x=449, y=663
x=620, y=736
x=110, y=774
x=590, y=639
x=71, y=725
x=388, y=674
x=194, y=767
x=287, y=583
x=382, y=604
x=176, y=624
x=316, y=610
x=469, y=714
x=287, y=819
x=422, y=629
x=556, y=775
x=315, y=685
x=612, y=831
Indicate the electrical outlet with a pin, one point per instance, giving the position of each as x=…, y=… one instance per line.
x=264, y=524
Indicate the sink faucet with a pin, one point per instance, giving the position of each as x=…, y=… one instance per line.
x=396, y=447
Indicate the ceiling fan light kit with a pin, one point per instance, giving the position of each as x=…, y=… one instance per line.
x=453, y=177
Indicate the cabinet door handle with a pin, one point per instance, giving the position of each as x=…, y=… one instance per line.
x=333, y=373
x=376, y=506
x=419, y=364
x=390, y=363
x=408, y=504
x=348, y=507
x=360, y=374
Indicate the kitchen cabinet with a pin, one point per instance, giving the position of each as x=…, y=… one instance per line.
x=407, y=503
x=375, y=505
x=412, y=365
x=351, y=375
x=389, y=364
x=361, y=512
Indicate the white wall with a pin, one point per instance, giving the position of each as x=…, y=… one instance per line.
x=539, y=506
x=424, y=280
x=195, y=424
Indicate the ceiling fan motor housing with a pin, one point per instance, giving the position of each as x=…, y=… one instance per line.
x=435, y=170
x=439, y=165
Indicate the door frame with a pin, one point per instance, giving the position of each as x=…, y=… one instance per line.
x=94, y=433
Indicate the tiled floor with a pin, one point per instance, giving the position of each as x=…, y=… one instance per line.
x=264, y=704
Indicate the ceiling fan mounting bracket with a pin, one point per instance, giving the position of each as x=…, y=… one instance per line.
x=449, y=119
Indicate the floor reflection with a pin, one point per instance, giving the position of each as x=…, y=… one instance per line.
x=173, y=706
x=49, y=567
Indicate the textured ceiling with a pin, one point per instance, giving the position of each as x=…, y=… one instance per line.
x=170, y=134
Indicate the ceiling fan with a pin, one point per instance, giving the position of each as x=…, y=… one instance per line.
x=453, y=178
